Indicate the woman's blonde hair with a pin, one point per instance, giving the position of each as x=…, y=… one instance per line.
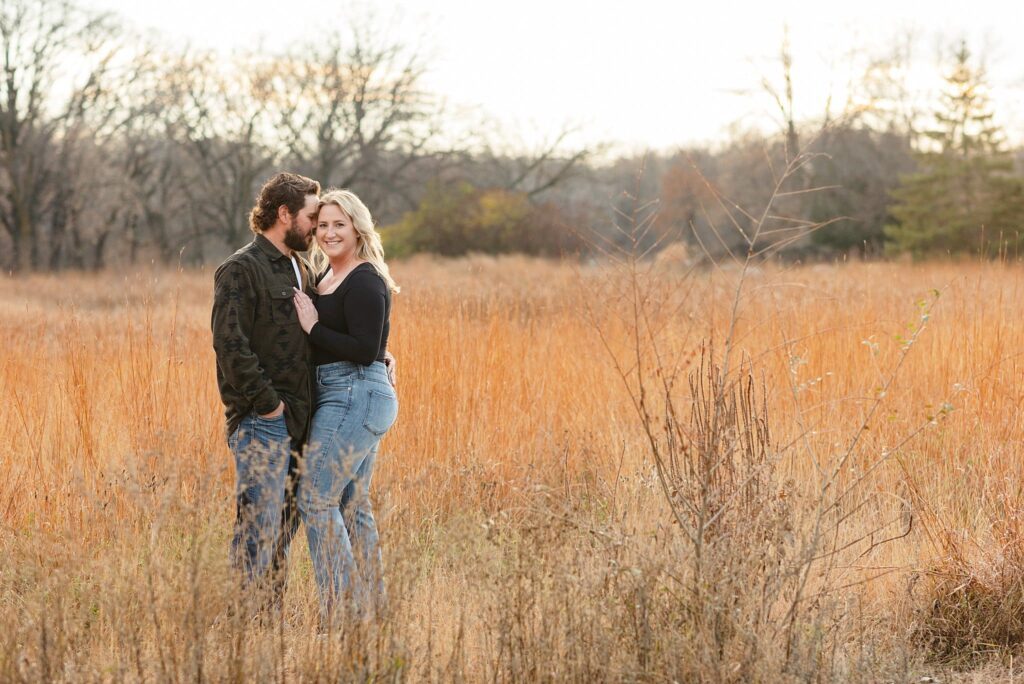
x=369, y=247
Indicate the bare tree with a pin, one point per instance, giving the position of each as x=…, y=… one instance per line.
x=52, y=70
x=538, y=168
x=152, y=195
x=883, y=97
x=218, y=113
x=352, y=112
x=91, y=182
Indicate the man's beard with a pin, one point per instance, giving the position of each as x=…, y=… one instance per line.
x=294, y=240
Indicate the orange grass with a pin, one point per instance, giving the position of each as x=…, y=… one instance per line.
x=112, y=442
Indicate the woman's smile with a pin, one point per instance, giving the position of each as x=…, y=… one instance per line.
x=335, y=232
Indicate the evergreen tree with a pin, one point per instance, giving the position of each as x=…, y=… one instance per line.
x=964, y=196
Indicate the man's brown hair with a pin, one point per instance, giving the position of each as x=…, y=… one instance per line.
x=289, y=189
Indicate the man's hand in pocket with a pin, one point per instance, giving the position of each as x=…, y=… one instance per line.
x=275, y=413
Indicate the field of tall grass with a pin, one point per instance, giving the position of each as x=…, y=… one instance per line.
x=596, y=474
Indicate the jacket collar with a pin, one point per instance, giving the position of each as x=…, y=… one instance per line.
x=267, y=247
x=272, y=252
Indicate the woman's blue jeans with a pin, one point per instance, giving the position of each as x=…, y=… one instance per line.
x=355, y=406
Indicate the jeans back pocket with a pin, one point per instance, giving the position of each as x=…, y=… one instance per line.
x=381, y=411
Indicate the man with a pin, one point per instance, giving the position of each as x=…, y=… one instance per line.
x=263, y=374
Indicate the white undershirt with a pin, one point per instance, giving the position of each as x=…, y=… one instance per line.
x=298, y=275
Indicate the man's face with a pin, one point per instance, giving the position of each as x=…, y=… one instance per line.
x=300, y=233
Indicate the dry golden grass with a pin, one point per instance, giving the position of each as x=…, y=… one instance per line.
x=525, y=532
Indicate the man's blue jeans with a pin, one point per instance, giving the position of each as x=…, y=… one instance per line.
x=354, y=406
x=262, y=450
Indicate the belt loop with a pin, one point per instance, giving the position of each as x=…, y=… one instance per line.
x=361, y=370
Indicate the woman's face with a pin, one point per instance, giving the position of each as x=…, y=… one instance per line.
x=335, y=233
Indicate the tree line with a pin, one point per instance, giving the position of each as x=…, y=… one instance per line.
x=881, y=177
x=116, y=149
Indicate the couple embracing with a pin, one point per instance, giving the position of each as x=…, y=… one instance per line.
x=304, y=373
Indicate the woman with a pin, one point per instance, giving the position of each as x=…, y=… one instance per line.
x=354, y=404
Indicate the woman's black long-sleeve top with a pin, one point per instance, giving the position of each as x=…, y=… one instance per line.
x=354, y=319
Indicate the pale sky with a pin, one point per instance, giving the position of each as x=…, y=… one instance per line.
x=639, y=73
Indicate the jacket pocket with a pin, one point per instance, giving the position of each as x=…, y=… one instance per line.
x=282, y=308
